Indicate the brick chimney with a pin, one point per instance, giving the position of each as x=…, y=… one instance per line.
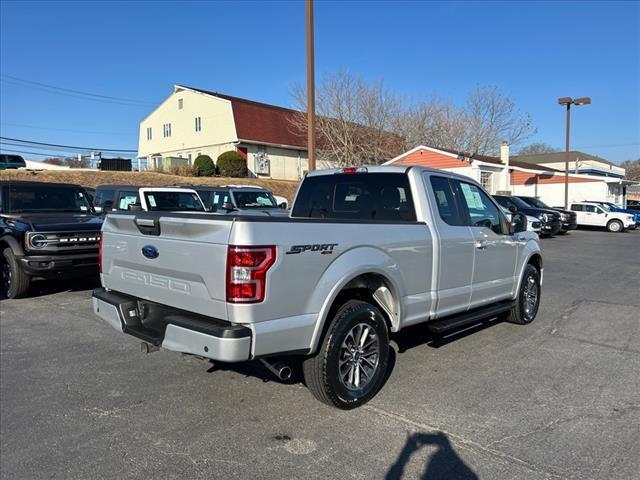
x=504, y=158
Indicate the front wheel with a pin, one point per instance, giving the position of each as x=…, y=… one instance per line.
x=15, y=283
x=350, y=366
x=527, y=304
x=615, y=226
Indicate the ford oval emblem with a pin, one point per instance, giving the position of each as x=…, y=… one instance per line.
x=150, y=251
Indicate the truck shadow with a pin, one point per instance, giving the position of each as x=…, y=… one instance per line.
x=443, y=463
x=48, y=287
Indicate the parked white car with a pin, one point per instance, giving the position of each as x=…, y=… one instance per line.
x=593, y=215
x=170, y=199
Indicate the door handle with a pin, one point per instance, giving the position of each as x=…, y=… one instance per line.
x=482, y=245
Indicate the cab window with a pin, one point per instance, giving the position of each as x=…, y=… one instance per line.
x=446, y=201
x=481, y=211
x=577, y=208
x=127, y=198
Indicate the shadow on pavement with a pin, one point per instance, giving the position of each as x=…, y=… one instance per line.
x=443, y=463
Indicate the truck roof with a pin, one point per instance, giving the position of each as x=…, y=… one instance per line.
x=391, y=169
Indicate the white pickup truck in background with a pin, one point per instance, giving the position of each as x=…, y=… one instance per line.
x=366, y=252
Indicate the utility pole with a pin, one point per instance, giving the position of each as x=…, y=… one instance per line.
x=311, y=93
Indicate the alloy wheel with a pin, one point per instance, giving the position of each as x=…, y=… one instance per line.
x=359, y=356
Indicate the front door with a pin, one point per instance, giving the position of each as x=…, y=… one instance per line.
x=454, y=260
x=496, y=250
x=592, y=215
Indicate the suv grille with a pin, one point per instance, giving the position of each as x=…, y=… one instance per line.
x=62, y=241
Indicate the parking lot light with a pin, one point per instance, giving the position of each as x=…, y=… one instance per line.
x=568, y=101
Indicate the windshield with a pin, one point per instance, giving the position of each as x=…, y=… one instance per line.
x=519, y=203
x=45, y=199
x=254, y=199
x=535, y=202
x=605, y=207
x=176, y=201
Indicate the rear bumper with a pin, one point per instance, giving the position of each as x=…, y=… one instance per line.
x=59, y=265
x=173, y=329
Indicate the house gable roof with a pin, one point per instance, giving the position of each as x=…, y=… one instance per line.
x=257, y=122
x=446, y=158
x=555, y=157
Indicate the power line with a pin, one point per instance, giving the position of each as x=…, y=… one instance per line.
x=34, y=153
x=65, y=129
x=11, y=80
x=30, y=142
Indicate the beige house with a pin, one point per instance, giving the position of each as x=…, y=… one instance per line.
x=579, y=162
x=192, y=121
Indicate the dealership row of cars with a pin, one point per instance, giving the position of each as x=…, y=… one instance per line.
x=52, y=231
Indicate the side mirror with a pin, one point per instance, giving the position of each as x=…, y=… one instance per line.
x=228, y=206
x=518, y=223
x=513, y=209
x=135, y=207
x=107, y=207
x=209, y=209
x=283, y=206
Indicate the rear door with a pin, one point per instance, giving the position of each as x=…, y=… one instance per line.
x=496, y=250
x=455, y=259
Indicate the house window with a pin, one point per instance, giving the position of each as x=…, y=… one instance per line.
x=149, y=134
x=166, y=130
x=198, y=124
x=485, y=180
x=180, y=104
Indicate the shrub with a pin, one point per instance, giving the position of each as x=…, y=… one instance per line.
x=231, y=164
x=204, y=166
x=182, y=170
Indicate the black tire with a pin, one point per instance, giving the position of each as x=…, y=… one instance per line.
x=15, y=283
x=523, y=313
x=322, y=371
x=615, y=226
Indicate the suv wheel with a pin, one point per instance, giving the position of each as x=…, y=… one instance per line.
x=350, y=366
x=15, y=283
x=615, y=226
x=528, y=301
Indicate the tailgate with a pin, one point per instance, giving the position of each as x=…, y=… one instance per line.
x=168, y=258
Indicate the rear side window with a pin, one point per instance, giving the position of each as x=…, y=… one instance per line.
x=577, y=208
x=356, y=196
x=446, y=201
x=126, y=199
x=103, y=195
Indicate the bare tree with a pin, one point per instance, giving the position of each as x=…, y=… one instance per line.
x=53, y=161
x=537, y=148
x=359, y=122
x=354, y=120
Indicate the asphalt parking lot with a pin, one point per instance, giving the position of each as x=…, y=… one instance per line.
x=559, y=398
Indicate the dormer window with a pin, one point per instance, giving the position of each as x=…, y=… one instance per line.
x=180, y=103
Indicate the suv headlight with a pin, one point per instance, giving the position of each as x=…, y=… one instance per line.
x=545, y=217
x=37, y=241
x=564, y=217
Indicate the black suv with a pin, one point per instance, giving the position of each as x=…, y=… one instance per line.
x=47, y=231
x=109, y=198
x=568, y=218
x=550, y=219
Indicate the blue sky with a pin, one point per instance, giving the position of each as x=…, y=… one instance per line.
x=534, y=51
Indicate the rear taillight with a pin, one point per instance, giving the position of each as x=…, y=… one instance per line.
x=247, y=272
x=100, y=254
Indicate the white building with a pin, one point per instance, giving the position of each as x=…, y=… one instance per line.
x=192, y=121
x=523, y=178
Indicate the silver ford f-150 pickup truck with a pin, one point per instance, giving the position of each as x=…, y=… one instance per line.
x=366, y=251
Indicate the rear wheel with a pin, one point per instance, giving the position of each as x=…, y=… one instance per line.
x=527, y=304
x=15, y=283
x=350, y=366
x=615, y=226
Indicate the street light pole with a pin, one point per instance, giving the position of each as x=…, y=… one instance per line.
x=311, y=97
x=568, y=101
x=566, y=158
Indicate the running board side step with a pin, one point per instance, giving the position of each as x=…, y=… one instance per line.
x=473, y=316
